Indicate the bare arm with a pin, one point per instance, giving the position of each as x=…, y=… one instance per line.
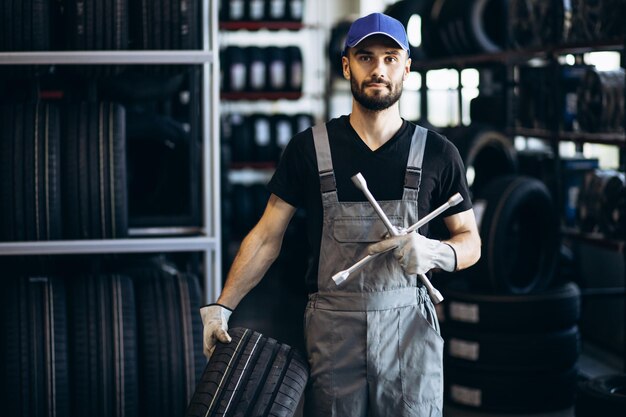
x=258, y=251
x=464, y=238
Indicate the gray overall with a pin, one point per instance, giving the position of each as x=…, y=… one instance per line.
x=373, y=342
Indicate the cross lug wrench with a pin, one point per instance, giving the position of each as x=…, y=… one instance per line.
x=360, y=182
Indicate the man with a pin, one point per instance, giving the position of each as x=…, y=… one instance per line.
x=373, y=342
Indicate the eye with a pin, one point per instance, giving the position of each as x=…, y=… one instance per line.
x=392, y=58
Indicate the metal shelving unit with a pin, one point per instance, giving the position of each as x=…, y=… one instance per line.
x=206, y=239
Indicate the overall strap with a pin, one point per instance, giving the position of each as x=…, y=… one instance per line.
x=328, y=187
x=413, y=176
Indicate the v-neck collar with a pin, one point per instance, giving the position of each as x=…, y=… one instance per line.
x=363, y=145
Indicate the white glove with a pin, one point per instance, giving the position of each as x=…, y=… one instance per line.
x=417, y=254
x=215, y=320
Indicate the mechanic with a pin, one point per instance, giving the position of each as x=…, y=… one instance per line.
x=373, y=342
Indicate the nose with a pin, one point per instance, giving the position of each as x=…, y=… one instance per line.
x=379, y=70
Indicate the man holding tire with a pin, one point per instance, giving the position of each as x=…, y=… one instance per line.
x=373, y=342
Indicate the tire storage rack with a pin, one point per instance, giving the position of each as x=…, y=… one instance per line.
x=261, y=79
x=511, y=322
x=100, y=306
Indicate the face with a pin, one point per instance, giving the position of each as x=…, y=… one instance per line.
x=376, y=68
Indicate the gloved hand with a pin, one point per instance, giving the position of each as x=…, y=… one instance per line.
x=215, y=320
x=417, y=254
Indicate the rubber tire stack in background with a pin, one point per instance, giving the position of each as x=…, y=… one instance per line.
x=601, y=101
x=519, y=232
x=252, y=375
x=96, y=25
x=94, y=171
x=34, y=374
x=169, y=333
x=102, y=346
x=512, y=339
x=510, y=353
x=30, y=172
x=487, y=153
x=165, y=24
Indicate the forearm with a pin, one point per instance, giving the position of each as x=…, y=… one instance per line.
x=466, y=246
x=255, y=256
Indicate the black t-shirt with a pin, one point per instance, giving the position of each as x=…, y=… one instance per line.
x=296, y=179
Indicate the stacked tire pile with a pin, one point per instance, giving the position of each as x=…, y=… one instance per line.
x=63, y=172
x=261, y=10
x=124, y=343
x=257, y=69
x=486, y=151
x=260, y=138
x=441, y=28
x=37, y=25
x=97, y=25
x=591, y=100
x=602, y=203
x=597, y=20
x=512, y=335
x=601, y=101
x=253, y=141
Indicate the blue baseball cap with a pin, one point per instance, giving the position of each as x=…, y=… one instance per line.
x=376, y=24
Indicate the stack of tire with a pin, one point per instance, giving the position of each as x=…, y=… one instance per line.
x=486, y=152
x=254, y=141
x=79, y=25
x=261, y=10
x=601, y=101
x=255, y=69
x=101, y=343
x=602, y=203
x=63, y=171
x=511, y=334
x=260, y=138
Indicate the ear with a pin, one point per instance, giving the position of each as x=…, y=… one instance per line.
x=345, y=64
x=407, y=69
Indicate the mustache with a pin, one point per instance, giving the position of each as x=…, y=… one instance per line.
x=377, y=81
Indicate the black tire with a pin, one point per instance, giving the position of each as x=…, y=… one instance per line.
x=338, y=36
x=552, y=309
x=31, y=173
x=538, y=23
x=95, y=201
x=519, y=231
x=403, y=11
x=252, y=375
x=486, y=152
x=512, y=351
x=602, y=396
x=170, y=337
x=103, y=346
x=34, y=371
x=504, y=392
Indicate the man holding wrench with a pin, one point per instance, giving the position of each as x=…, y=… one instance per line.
x=372, y=341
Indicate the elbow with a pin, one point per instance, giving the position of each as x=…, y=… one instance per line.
x=477, y=252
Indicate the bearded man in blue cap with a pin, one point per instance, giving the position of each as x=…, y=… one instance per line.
x=373, y=342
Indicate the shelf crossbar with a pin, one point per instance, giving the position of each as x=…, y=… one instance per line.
x=139, y=245
x=106, y=57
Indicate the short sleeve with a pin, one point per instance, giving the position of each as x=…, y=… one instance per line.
x=453, y=180
x=289, y=181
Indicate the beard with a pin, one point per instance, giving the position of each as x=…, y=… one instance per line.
x=379, y=100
